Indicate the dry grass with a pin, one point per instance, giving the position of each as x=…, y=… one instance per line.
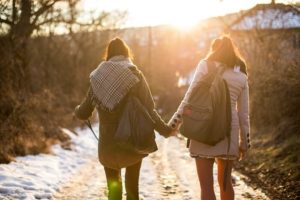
x=30, y=128
x=274, y=160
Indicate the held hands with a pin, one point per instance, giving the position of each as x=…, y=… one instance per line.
x=175, y=123
x=174, y=133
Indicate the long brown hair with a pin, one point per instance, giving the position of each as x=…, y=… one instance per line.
x=216, y=44
x=117, y=47
x=223, y=52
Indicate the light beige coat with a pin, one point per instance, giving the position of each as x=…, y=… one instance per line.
x=239, y=94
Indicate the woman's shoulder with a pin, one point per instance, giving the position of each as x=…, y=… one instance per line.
x=134, y=69
x=202, y=67
x=236, y=77
x=239, y=71
x=203, y=63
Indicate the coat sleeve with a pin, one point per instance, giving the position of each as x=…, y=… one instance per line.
x=201, y=70
x=143, y=92
x=243, y=114
x=85, y=109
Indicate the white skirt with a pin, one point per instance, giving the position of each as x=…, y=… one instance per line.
x=200, y=150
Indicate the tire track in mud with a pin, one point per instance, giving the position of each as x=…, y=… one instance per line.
x=171, y=186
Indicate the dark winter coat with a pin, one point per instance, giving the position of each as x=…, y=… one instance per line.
x=110, y=155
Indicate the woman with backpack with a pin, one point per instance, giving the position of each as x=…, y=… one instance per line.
x=233, y=147
x=110, y=85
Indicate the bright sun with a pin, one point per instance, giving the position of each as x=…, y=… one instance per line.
x=185, y=21
x=185, y=15
x=181, y=14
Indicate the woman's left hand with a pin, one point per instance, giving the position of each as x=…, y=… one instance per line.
x=243, y=153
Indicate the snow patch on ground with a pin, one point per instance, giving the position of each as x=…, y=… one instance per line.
x=40, y=176
x=168, y=174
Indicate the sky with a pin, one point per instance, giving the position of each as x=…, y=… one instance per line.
x=182, y=13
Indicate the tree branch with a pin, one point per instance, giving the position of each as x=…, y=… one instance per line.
x=43, y=9
x=51, y=20
x=14, y=11
x=6, y=21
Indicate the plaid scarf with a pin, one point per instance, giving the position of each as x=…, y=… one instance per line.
x=112, y=80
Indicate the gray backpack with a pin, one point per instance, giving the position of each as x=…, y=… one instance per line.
x=207, y=116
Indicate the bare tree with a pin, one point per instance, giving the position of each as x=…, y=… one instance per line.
x=20, y=19
x=270, y=50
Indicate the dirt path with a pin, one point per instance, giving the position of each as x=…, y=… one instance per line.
x=168, y=174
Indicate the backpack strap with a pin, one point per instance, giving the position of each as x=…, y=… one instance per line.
x=219, y=71
x=211, y=68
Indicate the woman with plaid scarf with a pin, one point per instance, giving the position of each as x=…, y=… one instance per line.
x=110, y=82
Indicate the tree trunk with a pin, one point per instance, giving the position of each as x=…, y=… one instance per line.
x=20, y=34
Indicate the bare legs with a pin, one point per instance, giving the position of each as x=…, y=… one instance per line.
x=205, y=175
x=114, y=182
x=229, y=193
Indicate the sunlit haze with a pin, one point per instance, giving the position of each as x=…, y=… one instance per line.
x=182, y=13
